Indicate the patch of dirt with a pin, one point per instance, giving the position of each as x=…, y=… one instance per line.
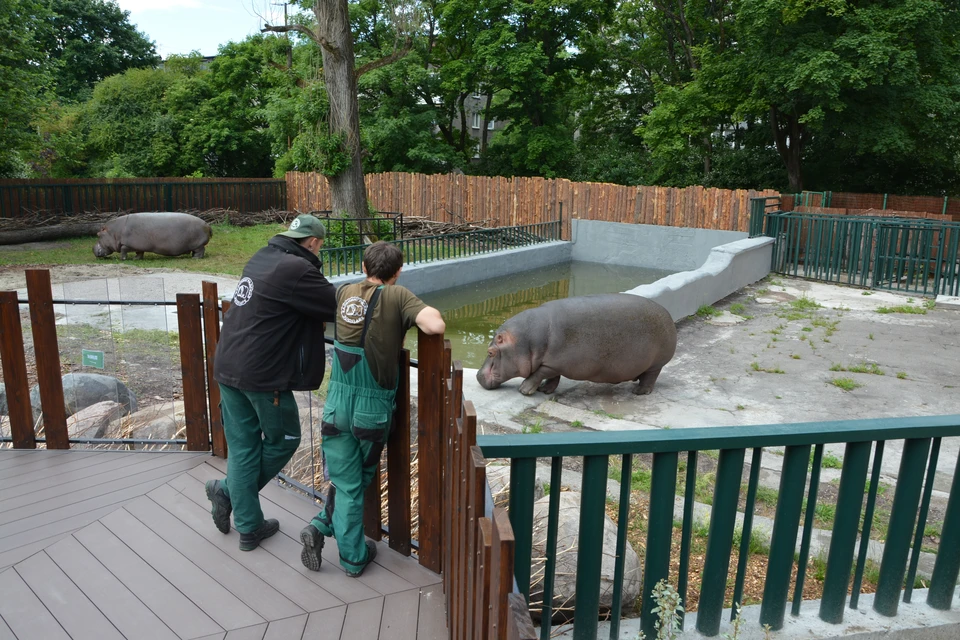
x=13, y=277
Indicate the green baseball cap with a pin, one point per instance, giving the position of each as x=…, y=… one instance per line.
x=305, y=226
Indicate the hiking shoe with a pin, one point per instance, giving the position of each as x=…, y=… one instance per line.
x=250, y=541
x=371, y=554
x=312, y=546
x=220, y=505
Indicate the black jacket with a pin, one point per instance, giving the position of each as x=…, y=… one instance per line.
x=272, y=334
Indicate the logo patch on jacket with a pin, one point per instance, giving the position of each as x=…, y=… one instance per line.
x=243, y=293
x=353, y=310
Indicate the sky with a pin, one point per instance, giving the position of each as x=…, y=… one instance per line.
x=182, y=26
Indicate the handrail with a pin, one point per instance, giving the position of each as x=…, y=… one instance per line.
x=545, y=445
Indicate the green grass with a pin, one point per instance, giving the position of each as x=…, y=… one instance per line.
x=804, y=304
x=756, y=367
x=831, y=461
x=901, y=375
x=903, y=308
x=847, y=384
x=600, y=412
x=228, y=251
x=795, y=356
x=767, y=496
x=576, y=424
x=737, y=308
x=706, y=311
x=536, y=427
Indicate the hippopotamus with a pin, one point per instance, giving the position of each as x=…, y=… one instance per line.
x=601, y=338
x=163, y=232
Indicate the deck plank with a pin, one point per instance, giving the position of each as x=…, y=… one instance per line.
x=248, y=633
x=175, y=609
x=432, y=624
x=286, y=546
x=118, y=470
x=400, y=613
x=42, y=463
x=5, y=633
x=24, y=613
x=243, y=583
x=138, y=482
x=325, y=625
x=308, y=595
x=16, y=554
x=226, y=609
x=362, y=621
x=78, y=616
x=286, y=629
x=53, y=530
x=130, y=616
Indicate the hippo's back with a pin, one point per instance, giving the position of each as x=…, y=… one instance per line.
x=163, y=232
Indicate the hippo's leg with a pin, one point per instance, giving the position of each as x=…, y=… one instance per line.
x=198, y=253
x=646, y=380
x=532, y=383
x=550, y=384
x=123, y=252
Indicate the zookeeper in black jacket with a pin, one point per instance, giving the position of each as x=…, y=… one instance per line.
x=271, y=344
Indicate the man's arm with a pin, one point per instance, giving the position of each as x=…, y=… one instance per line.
x=315, y=297
x=430, y=321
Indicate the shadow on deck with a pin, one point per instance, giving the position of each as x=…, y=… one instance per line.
x=107, y=544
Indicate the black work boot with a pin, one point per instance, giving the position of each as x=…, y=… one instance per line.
x=250, y=541
x=220, y=505
x=371, y=554
x=312, y=546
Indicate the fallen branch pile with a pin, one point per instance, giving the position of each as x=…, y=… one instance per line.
x=419, y=226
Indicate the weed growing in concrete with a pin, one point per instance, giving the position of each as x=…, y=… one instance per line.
x=601, y=412
x=706, y=311
x=668, y=610
x=831, y=461
x=737, y=308
x=903, y=308
x=847, y=384
x=866, y=293
x=795, y=356
x=576, y=424
x=737, y=622
x=930, y=304
x=870, y=336
x=740, y=407
x=804, y=304
x=901, y=375
x=536, y=427
x=863, y=367
x=756, y=367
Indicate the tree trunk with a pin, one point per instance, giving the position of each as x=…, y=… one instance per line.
x=348, y=190
x=54, y=232
x=789, y=132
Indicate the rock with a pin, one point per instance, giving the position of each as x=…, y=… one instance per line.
x=92, y=421
x=565, y=582
x=498, y=478
x=156, y=422
x=3, y=399
x=82, y=390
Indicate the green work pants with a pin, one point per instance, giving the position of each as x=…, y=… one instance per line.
x=263, y=432
x=356, y=422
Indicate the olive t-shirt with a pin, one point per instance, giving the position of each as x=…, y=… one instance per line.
x=395, y=313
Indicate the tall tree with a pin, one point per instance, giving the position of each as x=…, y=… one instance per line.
x=332, y=33
x=89, y=40
x=23, y=80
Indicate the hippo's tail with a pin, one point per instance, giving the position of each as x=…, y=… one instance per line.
x=209, y=232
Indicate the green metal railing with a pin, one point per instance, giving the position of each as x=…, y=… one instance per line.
x=901, y=550
x=758, y=208
x=348, y=260
x=911, y=255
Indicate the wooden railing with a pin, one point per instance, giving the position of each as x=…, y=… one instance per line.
x=461, y=534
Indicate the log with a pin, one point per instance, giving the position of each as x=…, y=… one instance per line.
x=54, y=232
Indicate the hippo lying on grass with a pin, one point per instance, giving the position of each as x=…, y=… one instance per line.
x=602, y=338
x=163, y=232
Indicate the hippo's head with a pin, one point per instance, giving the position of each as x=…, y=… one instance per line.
x=501, y=363
x=104, y=246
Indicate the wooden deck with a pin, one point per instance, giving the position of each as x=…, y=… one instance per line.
x=109, y=545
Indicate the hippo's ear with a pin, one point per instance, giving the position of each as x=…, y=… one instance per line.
x=504, y=338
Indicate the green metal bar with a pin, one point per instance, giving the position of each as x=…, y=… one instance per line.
x=906, y=499
x=867, y=524
x=663, y=488
x=744, y=554
x=522, y=478
x=784, y=540
x=922, y=519
x=843, y=540
x=716, y=564
x=550, y=566
x=546, y=445
x=946, y=568
x=884, y=202
x=590, y=550
x=689, y=494
x=807, y=528
x=623, y=520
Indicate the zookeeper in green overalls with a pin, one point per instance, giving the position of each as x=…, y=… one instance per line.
x=372, y=318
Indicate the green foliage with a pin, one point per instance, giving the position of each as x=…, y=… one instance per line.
x=903, y=308
x=706, y=311
x=847, y=384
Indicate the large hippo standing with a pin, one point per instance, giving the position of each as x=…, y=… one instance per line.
x=602, y=338
x=164, y=232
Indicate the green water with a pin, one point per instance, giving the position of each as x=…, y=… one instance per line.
x=473, y=313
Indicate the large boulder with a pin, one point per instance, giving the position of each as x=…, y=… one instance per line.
x=92, y=421
x=82, y=390
x=498, y=477
x=156, y=422
x=565, y=581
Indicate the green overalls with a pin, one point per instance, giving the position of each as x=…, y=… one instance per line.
x=355, y=425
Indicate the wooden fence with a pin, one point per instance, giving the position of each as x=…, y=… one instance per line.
x=516, y=201
x=874, y=204
x=20, y=198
